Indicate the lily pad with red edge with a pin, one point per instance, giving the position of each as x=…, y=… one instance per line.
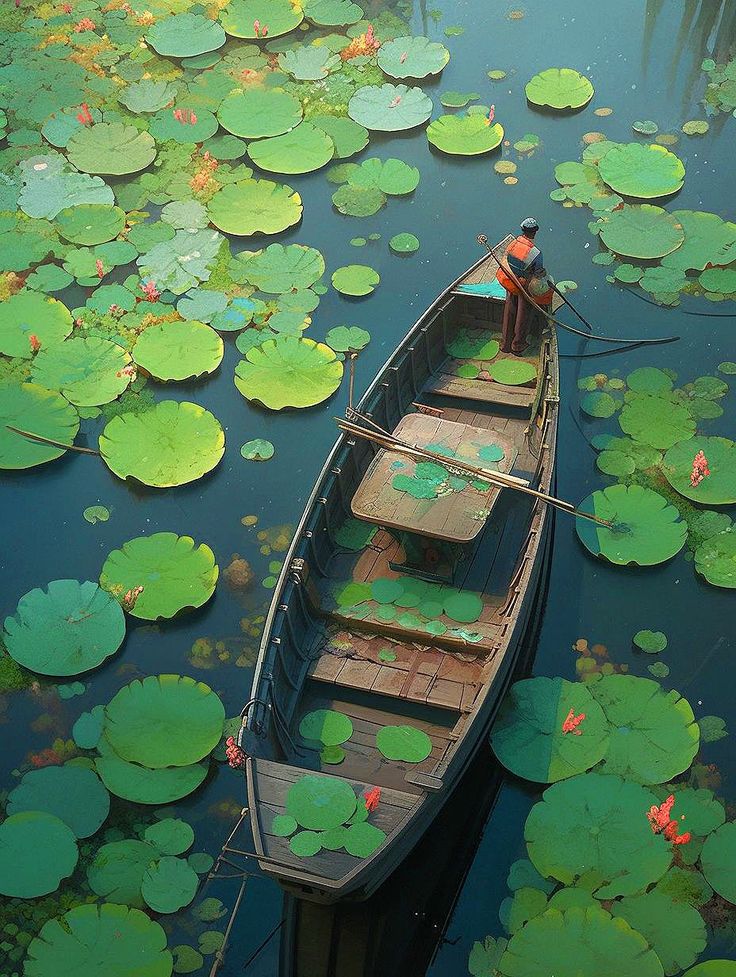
x=645, y=529
x=715, y=559
x=283, y=825
x=72, y=793
x=30, y=407
x=464, y=135
x=594, y=828
x=319, y=803
x=406, y=743
x=37, y=851
x=289, y=372
x=559, y=88
x=718, y=859
x=717, y=488
x=326, y=726
x=514, y=372
x=642, y=170
x=361, y=840
x=528, y=736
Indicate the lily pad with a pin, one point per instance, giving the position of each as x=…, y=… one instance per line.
x=347, y=339
x=464, y=135
x=147, y=95
x=642, y=170
x=169, y=885
x=143, y=785
x=332, y=13
x=355, y=279
x=304, y=149
x=71, y=793
x=718, y=488
x=404, y=243
x=318, y=802
x=257, y=450
x=241, y=17
x=717, y=860
x=646, y=530
x=174, y=573
x=649, y=380
x=715, y=559
x=164, y=721
x=37, y=851
x=362, y=839
x=289, y=372
x=111, y=148
x=657, y=421
x=528, y=737
x=170, y=444
x=87, y=371
x=178, y=350
x=650, y=642
x=654, y=735
x=29, y=314
x=255, y=206
x=405, y=743
x=117, y=871
x=594, y=828
x=559, y=88
x=185, y=35
x=412, y=57
x=283, y=825
x=255, y=113
x=512, y=372
x=389, y=108
x=347, y=136
x=32, y=408
x=309, y=63
x=90, y=224
x=87, y=729
x=281, y=268
x=326, y=726
x=171, y=836
x=641, y=231
x=599, y=403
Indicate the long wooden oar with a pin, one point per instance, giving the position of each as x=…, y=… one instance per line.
x=391, y=443
x=56, y=444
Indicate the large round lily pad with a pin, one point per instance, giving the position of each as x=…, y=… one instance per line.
x=412, y=57
x=100, y=941
x=289, y=372
x=171, y=444
x=643, y=170
x=117, y=870
x=512, y=372
x=32, y=314
x=715, y=559
x=255, y=206
x=718, y=859
x=164, y=721
x=709, y=240
x=174, y=572
x=318, y=802
x=171, y=836
x=641, y=231
x=259, y=112
x=713, y=968
x=111, y=148
x=348, y=137
x=403, y=743
x=32, y=408
x=71, y=793
x=281, y=268
x=326, y=726
x=718, y=488
x=37, y=851
x=657, y=421
x=594, y=828
x=178, y=350
x=674, y=930
x=355, y=279
x=646, y=530
x=559, y=88
x=169, y=885
x=70, y=627
x=528, y=736
x=90, y=224
x=654, y=736
x=304, y=149
x=389, y=108
x=87, y=370
x=185, y=36
x=247, y=18
x=142, y=785
x=464, y=135
x=332, y=13
x=587, y=939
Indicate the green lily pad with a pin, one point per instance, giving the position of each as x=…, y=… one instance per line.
x=32, y=408
x=512, y=372
x=709, y=240
x=163, y=721
x=641, y=231
x=143, y=785
x=67, y=629
x=255, y=113
x=169, y=885
x=289, y=372
x=318, y=802
x=87, y=371
x=715, y=559
x=87, y=729
x=559, y=88
x=458, y=100
x=305, y=843
x=283, y=825
x=304, y=149
x=719, y=280
x=185, y=35
x=309, y=63
x=599, y=403
x=649, y=380
x=389, y=108
x=71, y=793
x=255, y=206
x=90, y=224
x=464, y=607
x=170, y=444
x=355, y=279
x=171, y=836
x=404, y=243
x=528, y=739
x=713, y=968
x=257, y=450
x=29, y=314
x=187, y=960
x=347, y=136
x=717, y=860
x=279, y=17
x=332, y=13
x=362, y=839
x=186, y=128
x=37, y=851
x=117, y=871
x=111, y=148
x=464, y=135
x=656, y=421
x=651, y=642
x=175, y=574
x=654, y=735
x=326, y=726
x=347, y=339
x=645, y=127
x=646, y=530
x=712, y=728
x=594, y=828
x=718, y=488
x=147, y=95
x=280, y=268
x=405, y=743
x=642, y=170
x=178, y=350
x=412, y=57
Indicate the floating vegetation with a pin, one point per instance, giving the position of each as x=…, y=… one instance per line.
x=366, y=187
x=719, y=94
x=289, y=372
x=412, y=57
x=464, y=135
x=178, y=350
x=46, y=413
x=390, y=108
x=559, y=88
x=355, y=280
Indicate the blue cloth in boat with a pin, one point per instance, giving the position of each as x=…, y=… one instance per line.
x=492, y=289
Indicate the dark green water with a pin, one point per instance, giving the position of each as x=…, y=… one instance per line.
x=643, y=59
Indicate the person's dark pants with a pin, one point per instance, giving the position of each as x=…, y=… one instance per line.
x=516, y=311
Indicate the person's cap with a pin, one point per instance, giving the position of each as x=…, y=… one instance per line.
x=529, y=224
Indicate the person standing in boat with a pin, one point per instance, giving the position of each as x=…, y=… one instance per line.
x=524, y=260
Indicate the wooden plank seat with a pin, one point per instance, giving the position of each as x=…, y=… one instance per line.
x=450, y=381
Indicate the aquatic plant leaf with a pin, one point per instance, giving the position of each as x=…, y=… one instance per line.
x=346, y=339
x=347, y=136
x=255, y=113
x=147, y=95
x=641, y=231
x=589, y=936
x=309, y=63
x=111, y=148
x=30, y=407
x=656, y=421
x=595, y=826
x=512, y=372
x=405, y=743
x=170, y=836
x=526, y=903
x=50, y=185
x=29, y=314
x=116, y=872
x=37, y=851
x=719, y=280
x=458, y=100
x=712, y=728
x=173, y=571
x=646, y=530
x=412, y=57
x=642, y=170
x=464, y=135
x=283, y=825
x=87, y=729
x=646, y=127
x=302, y=150
x=332, y=13
x=362, y=839
x=709, y=240
x=717, y=488
x=178, y=350
x=528, y=737
x=182, y=262
x=318, y=802
x=326, y=726
x=69, y=628
x=599, y=403
x=185, y=128
x=389, y=108
x=253, y=206
x=170, y=444
x=169, y=885
x=358, y=200
x=305, y=843
x=559, y=88
x=90, y=224
x=100, y=941
x=71, y=793
x=404, y=243
x=164, y=720
x=717, y=860
x=484, y=957
x=257, y=450
x=87, y=371
x=241, y=17
x=289, y=372
x=651, y=642
x=715, y=559
x=143, y=785
x=654, y=735
x=713, y=968
x=649, y=380
x=185, y=35
x=281, y=268
x=355, y=279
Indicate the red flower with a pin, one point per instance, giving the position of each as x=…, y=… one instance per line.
x=571, y=723
x=35, y=342
x=659, y=817
x=100, y=269
x=85, y=117
x=670, y=833
x=372, y=798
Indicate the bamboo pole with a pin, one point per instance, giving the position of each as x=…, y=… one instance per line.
x=56, y=444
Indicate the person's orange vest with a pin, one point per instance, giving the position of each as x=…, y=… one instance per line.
x=519, y=249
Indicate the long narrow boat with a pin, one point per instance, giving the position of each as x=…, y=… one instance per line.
x=405, y=597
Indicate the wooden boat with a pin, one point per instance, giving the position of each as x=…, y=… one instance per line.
x=471, y=549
